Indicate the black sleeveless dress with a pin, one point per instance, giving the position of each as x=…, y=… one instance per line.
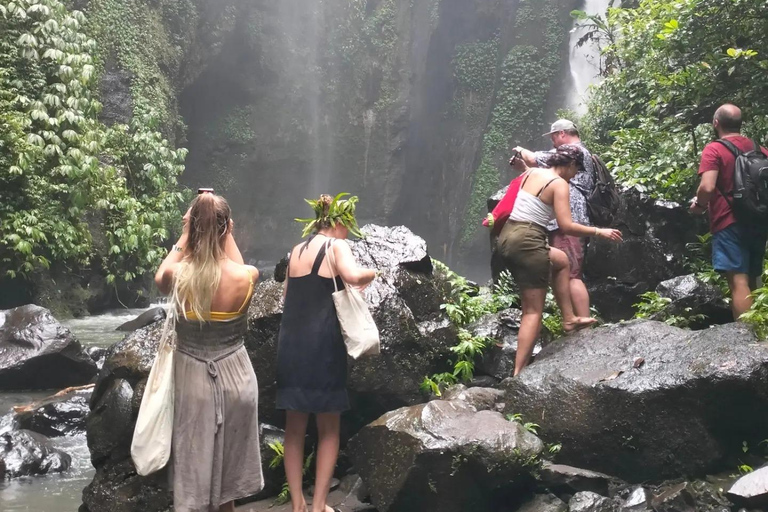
x=311, y=356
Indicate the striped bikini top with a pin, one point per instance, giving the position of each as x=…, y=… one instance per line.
x=224, y=316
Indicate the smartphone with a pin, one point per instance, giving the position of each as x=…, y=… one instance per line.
x=515, y=156
x=204, y=191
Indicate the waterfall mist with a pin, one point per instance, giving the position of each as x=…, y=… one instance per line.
x=584, y=61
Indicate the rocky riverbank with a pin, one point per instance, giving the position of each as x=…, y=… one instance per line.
x=626, y=417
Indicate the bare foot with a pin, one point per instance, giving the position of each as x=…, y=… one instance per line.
x=579, y=323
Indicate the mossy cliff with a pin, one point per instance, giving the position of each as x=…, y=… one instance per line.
x=410, y=104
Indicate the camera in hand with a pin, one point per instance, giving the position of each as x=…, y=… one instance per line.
x=204, y=191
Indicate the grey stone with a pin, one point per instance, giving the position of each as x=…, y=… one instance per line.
x=751, y=490
x=561, y=478
x=26, y=453
x=637, y=501
x=441, y=456
x=586, y=393
x=146, y=318
x=544, y=503
x=37, y=352
x=586, y=501
x=59, y=415
x=675, y=498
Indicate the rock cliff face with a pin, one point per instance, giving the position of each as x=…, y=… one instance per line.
x=409, y=104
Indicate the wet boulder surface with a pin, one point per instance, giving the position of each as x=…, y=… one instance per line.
x=114, y=406
x=146, y=318
x=59, y=415
x=444, y=455
x=37, y=352
x=645, y=401
x=690, y=296
x=27, y=453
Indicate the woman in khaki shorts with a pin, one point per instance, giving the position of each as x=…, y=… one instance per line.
x=543, y=196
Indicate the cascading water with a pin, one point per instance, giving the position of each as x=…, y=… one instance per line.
x=584, y=61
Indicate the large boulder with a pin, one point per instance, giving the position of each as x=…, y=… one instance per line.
x=114, y=406
x=444, y=455
x=647, y=401
x=416, y=335
x=59, y=415
x=26, y=453
x=691, y=297
x=37, y=352
x=656, y=234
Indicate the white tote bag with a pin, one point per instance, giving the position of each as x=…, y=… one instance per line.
x=151, y=445
x=361, y=336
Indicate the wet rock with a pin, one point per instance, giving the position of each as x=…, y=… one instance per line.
x=109, y=427
x=442, y=456
x=637, y=501
x=655, y=234
x=116, y=95
x=544, y=503
x=98, y=354
x=751, y=490
x=25, y=453
x=586, y=501
x=675, y=498
x=116, y=487
x=690, y=295
x=560, y=478
x=273, y=477
x=480, y=399
x=709, y=497
x=499, y=359
x=611, y=416
x=280, y=270
x=59, y=415
x=146, y=318
x=37, y=352
x=110, y=424
x=264, y=318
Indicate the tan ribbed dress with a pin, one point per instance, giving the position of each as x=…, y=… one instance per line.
x=216, y=455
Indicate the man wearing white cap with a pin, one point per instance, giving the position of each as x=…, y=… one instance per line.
x=561, y=133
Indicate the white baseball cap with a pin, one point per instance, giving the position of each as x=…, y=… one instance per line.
x=559, y=126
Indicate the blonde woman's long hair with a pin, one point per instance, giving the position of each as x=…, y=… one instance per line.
x=197, y=277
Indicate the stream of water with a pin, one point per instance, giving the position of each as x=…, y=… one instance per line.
x=60, y=492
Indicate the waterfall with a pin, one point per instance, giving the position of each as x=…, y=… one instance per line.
x=584, y=62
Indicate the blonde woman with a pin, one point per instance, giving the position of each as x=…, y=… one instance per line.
x=215, y=456
x=311, y=356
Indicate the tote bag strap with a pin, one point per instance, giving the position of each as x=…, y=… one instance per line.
x=332, y=265
x=169, y=327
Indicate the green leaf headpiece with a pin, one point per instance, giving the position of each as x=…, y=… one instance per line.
x=339, y=211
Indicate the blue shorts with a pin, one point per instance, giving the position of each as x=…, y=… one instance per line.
x=739, y=249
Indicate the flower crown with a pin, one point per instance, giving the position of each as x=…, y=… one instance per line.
x=339, y=211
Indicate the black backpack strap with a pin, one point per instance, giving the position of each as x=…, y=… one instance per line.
x=731, y=147
x=736, y=153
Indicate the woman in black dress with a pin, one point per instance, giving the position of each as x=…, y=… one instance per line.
x=311, y=356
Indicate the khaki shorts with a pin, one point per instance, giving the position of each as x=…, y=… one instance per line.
x=574, y=248
x=524, y=249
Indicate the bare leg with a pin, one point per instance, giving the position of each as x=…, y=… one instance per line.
x=530, y=325
x=328, y=425
x=579, y=298
x=227, y=507
x=741, y=299
x=295, y=430
x=561, y=287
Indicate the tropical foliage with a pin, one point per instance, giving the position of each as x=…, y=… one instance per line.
x=668, y=65
x=74, y=193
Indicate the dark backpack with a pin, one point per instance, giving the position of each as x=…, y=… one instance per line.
x=603, y=201
x=750, y=184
